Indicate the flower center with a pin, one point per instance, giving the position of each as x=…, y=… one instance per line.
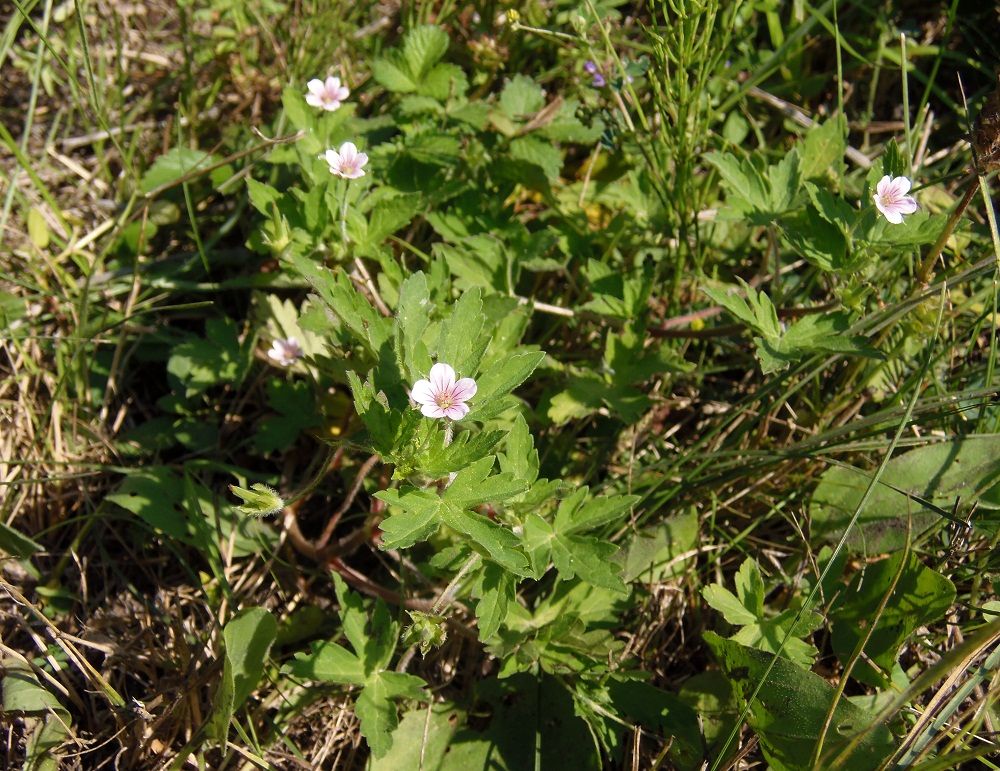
x=444, y=401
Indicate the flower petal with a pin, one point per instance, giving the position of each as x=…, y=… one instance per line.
x=878, y=203
x=332, y=84
x=457, y=411
x=348, y=149
x=332, y=157
x=313, y=100
x=362, y=159
x=432, y=411
x=463, y=390
x=901, y=186
x=907, y=205
x=422, y=392
x=442, y=377
x=315, y=86
x=893, y=215
x=883, y=185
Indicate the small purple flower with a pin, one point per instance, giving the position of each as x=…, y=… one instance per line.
x=892, y=200
x=326, y=94
x=441, y=396
x=598, y=80
x=285, y=352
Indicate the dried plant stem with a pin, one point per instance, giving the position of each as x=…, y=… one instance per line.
x=924, y=271
x=359, y=480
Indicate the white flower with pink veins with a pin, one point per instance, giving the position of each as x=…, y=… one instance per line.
x=285, y=352
x=892, y=200
x=441, y=395
x=346, y=162
x=327, y=94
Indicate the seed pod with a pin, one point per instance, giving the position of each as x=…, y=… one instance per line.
x=986, y=133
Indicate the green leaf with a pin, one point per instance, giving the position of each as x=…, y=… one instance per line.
x=421, y=516
x=45, y=722
x=378, y=716
x=750, y=587
x=965, y=469
x=248, y=639
x=521, y=458
x=259, y=501
x=745, y=186
x=327, y=662
x=728, y=604
x=496, y=590
x=472, y=486
x=174, y=164
x=538, y=152
x=393, y=73
x=521, y=98
x=263, y=197
x=506, y=375
x=497, y=541
x=664, y=551
x=156, y=495
x=823, y=149
x=16, y=544
x=790, y=710
x=756, y=310
x=588, y=558
x=461, y=341
x=423, y=47
x=412, y=317
x=596, y=512
x=921, y=596
x=353, y=617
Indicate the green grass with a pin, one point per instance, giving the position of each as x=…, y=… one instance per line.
x=153, y=246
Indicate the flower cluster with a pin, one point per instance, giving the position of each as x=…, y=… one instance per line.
x=328, y=95
x=598, y=79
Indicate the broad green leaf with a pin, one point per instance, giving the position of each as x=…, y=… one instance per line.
x=588, y=558
x=521, y=98
x=497, y=541
x=471, y=487
x=823, y=149
x=423, y=47
x=755, y=310
x=413, y=313
x=790, y=709
x=419, y=519
x=920, y=597
x=745, y=186
x=461, y=341
x=750, y=587
x=353, y=617
x=262, y=196
x=960, y=469
x=378, y=716
x=538, y=152
x=45, y=722
x=177, y=163
x=728, y=604
x=156, y=495
x=521, y=458
x=466, y=449
x=247, y=639
x=597, y=512
x=664, y=551
x=327, y=662
x=506, y=375
x=422, y=738
x=496, y=591
x=16, y=544
x=393, y=73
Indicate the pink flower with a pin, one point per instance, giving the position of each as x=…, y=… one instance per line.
x=285, y=352
x=441, y=396
x=347, y=162
x=326, y=94
x=892, y=200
